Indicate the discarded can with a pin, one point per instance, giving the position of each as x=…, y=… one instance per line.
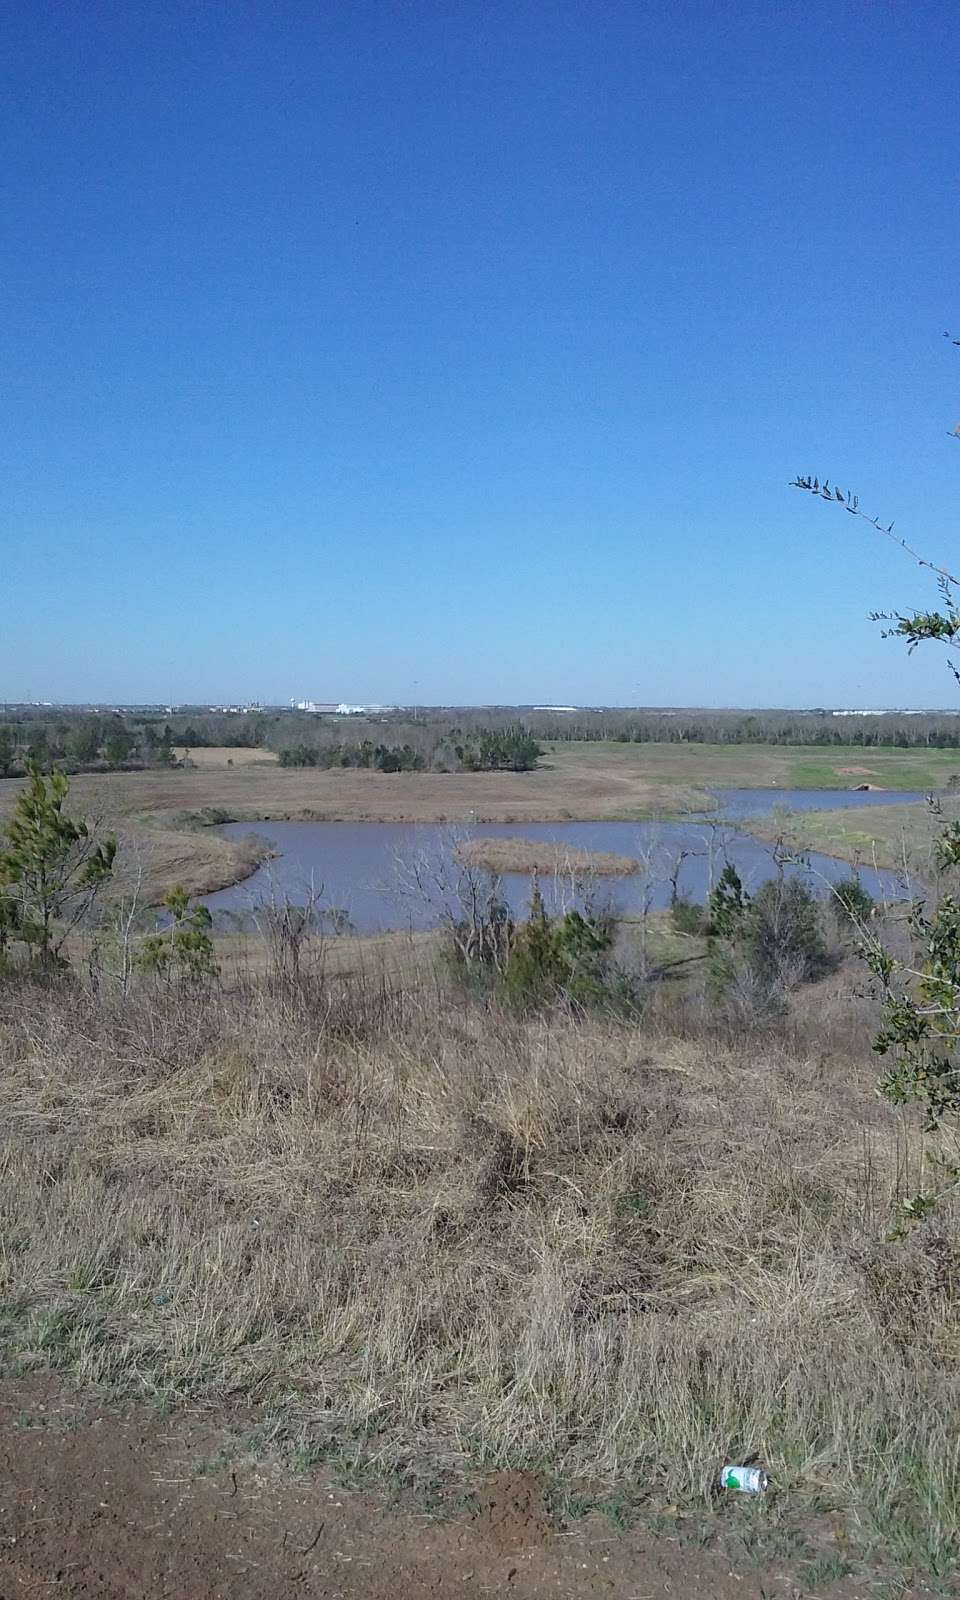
x=749, y=1480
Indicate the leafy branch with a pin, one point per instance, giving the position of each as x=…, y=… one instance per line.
x=915, y=626
x=920, y=1029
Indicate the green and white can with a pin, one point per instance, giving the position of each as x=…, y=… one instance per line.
x=749, y=1480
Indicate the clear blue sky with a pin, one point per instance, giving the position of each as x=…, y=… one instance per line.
x=463, y=351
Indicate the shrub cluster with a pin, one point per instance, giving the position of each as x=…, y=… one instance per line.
x=379, y=757
x=512, y=749
x=763, y=944
x=546, y=961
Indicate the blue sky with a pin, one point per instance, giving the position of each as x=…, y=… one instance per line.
x=463, y=352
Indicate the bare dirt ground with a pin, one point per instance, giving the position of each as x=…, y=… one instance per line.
x=108, y=1507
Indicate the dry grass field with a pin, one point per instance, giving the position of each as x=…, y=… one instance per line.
x=413, y=1237
x=766, y=766
x=572, y=782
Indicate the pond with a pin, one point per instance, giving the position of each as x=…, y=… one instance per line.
x=371, y=877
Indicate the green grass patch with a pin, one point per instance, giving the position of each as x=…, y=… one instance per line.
x=763, y=766
x=884, y=836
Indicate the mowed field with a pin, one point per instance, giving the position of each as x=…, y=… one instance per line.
x=764, y=766
x=164, y=818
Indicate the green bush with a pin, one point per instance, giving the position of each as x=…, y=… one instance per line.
x=781, y=933
x=184, y=951
x=770, y=942
x=511, y=749
x=565, y=960
x=687, y=916
x=8, y=751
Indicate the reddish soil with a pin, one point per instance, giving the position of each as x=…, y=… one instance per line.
x=101, y=1507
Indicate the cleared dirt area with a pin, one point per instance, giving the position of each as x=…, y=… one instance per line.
x=222, y=755
x=96, y=1505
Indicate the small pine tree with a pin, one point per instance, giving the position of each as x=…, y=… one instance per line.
x=535, y=968
x=559, y=958
x=119, y=746
x=185, y=950
x=727, y=903
x=781, y=934
x=52, y=867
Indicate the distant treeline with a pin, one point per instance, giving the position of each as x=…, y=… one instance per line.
x=92, y=744
x=83, y=744
x=862, y=732
x=511, y=749
x=439, y=739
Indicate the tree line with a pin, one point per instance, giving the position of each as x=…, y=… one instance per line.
x=84, y=744
x=366, y=754
x=511, y=749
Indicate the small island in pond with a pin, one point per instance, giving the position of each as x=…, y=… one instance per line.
x=547, y=856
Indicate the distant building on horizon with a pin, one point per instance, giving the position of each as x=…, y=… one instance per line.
x=336, y=708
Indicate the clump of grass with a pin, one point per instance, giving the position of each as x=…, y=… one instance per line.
x=433, y=1232
x=546, y=856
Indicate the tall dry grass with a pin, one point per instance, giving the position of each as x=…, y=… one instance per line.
x=444, y=1235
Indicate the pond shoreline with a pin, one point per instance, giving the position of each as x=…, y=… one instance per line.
x=374, y=878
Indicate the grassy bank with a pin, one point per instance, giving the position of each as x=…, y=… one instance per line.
x=425, y=1236
x=897, y=837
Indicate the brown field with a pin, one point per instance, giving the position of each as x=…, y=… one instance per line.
x=199, y=861
x=542, y=855
x=387, y=961
x=225, y=756
x=394, y=1237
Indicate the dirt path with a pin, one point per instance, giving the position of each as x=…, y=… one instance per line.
x=103, y=1508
